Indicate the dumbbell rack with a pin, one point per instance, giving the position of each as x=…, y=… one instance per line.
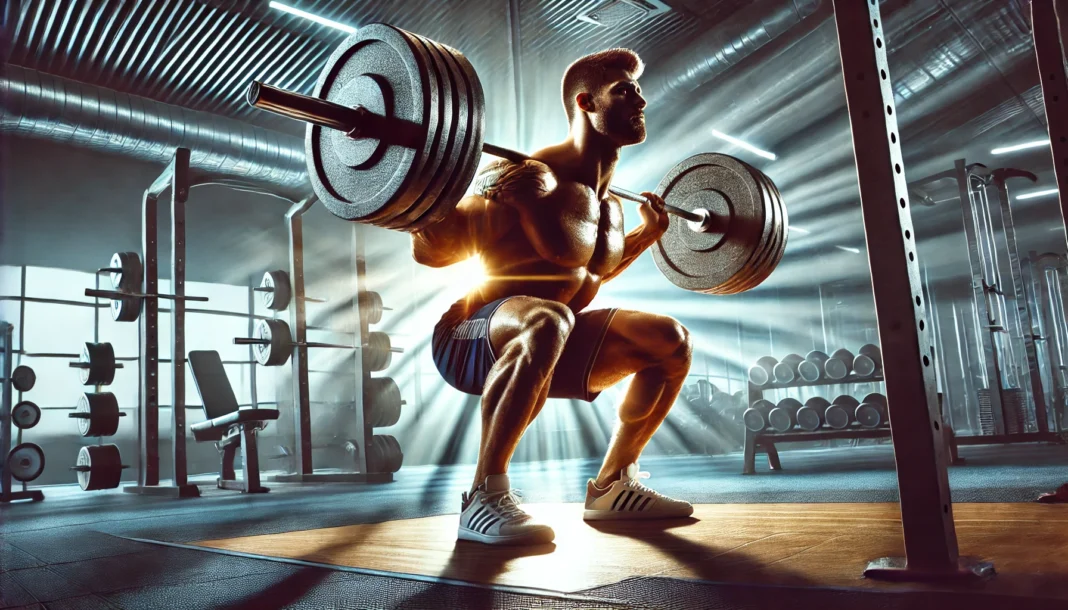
x=766, y=440
x=6, y=494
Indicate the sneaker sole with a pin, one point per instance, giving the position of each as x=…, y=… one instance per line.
x=619, y=515
x=540, y=536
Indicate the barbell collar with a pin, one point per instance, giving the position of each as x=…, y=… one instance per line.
x=116, y=294
x=359, y=122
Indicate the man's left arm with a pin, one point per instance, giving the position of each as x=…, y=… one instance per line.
x=654, y=222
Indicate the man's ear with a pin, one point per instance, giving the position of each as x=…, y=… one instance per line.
x=584, y=101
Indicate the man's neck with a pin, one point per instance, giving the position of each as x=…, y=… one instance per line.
x=595, y=158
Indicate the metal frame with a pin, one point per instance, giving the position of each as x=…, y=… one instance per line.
x=1053, y=325
x=298, y=322
x=1023, y=309
x=6, y=494
x=926, y=508
x=1045, y=19
x=175, y=177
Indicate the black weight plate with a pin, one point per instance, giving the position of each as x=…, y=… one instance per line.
x=125, y=309
x=278, y=291
x=26, y=415
x=279, y=342
x=457, y=119
x=378, y=62
x=377, y=351
x=472, y=153
x=99, y=467
x=755, y=271
x=384, y=396
x=462, y=140
x=715, y=182
x=23, y=378
x=783, y=232
x=371, y=306
x=101, y=360
x=102, y=409
x=26, y=462
x=128, y=279
x=443, y=139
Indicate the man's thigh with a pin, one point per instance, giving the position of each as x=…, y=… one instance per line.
x=634, y=341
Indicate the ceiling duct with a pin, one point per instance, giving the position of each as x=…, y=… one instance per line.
x=725, y=44
x=621, y=13
x=38, y=105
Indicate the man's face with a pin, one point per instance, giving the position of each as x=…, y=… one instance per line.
x=618, y=110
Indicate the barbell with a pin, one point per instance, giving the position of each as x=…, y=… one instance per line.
x=395, y=135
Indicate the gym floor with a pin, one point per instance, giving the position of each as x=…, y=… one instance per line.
x=308, y=545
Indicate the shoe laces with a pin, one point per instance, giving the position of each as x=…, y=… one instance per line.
x=635, y=483
x=506, y=502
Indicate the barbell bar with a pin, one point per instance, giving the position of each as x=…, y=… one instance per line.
x=359, y=122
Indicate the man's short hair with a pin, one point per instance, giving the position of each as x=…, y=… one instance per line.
x=589, y=73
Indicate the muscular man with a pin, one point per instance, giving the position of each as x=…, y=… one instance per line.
x=549, y=234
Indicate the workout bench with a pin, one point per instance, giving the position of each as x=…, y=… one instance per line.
x=226, y=424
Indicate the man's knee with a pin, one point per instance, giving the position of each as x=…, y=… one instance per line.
x=549, y=323
x=674, y=342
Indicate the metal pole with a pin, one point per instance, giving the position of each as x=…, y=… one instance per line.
x=179, y=193
x=1050, y=56
x=919, y=448
x=986, y=321
x=299, y=322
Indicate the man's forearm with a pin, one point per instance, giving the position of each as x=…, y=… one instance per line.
x=635, y=242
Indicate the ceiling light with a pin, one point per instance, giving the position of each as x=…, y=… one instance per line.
x=745, y=145
x=799, y=229
x=1036, y=194
x=317, y=19
x=1024, y=146
x=846, y=249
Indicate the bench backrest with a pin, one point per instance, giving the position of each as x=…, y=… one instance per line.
x=212, y=383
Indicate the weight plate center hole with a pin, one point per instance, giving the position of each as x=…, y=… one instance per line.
x=717, y=210
x=366, y=91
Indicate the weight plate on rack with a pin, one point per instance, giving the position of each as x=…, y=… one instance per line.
x=26, y=415
x=26, y=462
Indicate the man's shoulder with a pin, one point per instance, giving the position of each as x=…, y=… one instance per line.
x=506, y=180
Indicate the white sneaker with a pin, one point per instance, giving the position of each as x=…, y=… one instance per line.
x=626, y=498
x=491, y=515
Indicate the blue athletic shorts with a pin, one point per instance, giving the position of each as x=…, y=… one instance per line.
x=464, y=354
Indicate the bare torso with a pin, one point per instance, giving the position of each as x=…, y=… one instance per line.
x=549, y=238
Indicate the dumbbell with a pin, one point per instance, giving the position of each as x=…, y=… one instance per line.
x=755, y=417
x=841, y=413
x=784, y=415
x=761, y=373
x=786, y=370
x=810, y=416
x=839, y=364
x=872, y=411
x=869, y=361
